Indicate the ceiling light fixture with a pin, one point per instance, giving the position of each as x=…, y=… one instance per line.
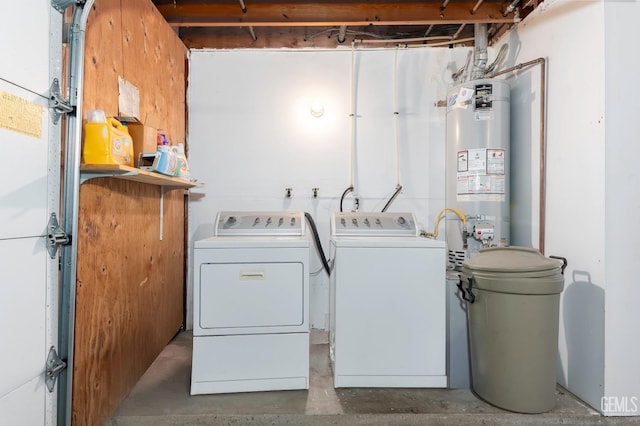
x=317, y=109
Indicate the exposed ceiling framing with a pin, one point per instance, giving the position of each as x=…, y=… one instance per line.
x=299, y=23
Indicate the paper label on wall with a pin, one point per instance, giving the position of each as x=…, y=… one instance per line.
x=128, y=99
x=481, y=175
x=20, y=115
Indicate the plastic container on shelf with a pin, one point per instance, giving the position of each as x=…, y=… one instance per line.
x=106, y=141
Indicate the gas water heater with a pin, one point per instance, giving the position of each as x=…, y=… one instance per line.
x=477, y=167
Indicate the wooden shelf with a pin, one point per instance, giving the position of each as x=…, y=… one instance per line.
x=91, y=171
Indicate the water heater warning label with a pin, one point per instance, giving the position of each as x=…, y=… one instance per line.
x=481, y=175
x=483, y=98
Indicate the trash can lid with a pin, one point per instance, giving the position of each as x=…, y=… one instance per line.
x=511, y=259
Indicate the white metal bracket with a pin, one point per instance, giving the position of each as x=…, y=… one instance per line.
x=57, y=103
x=55, y=366
x=56, y=236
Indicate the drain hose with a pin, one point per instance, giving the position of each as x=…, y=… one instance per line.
x=316, y=240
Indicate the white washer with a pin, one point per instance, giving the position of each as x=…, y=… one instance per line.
x=251, y=304
x=387, y=303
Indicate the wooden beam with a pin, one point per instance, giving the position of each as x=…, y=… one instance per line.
x=308, y=14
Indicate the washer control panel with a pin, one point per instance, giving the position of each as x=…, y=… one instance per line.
x=374, y=224
x=259, y=223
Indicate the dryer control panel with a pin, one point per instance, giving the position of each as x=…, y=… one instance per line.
x=259, y=223
x=373, y=224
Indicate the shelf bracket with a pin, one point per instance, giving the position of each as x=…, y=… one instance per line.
x=163, y=190
x=85, y=176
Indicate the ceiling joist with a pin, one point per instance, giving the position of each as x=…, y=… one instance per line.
x=323, y=14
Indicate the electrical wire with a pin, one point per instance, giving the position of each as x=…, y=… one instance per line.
x=456, y=75
x=499, y=59
x=380, y=38
x=460, y=214
x=318, y=244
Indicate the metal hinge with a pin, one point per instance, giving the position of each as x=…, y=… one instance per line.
x=55, y=366
x=55, y=236
x=57, y=103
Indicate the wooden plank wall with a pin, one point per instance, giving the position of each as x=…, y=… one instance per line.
x=130, y=284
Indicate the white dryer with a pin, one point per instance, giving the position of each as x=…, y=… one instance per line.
x=251, y=304
x=387, y=303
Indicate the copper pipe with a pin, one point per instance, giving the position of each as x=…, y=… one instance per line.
x=476, y=7
x=543, y=140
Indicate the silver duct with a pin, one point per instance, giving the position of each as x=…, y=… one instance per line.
x=480, y=51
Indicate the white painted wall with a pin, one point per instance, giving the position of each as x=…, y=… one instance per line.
x=592, y=182
x=622, y=203
x=251, y=136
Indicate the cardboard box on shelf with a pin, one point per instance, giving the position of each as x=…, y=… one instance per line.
x=144, y=136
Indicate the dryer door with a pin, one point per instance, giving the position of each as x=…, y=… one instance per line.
x=251, y=295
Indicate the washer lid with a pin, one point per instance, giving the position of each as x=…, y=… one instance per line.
x=510, y=260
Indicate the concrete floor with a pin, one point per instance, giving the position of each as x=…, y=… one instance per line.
x=161, y=397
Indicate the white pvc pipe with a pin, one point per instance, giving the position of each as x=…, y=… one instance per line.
x=396, y=114
x=352, y=151
x=405, y=40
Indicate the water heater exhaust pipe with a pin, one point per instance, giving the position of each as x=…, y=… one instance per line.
x=480, y=51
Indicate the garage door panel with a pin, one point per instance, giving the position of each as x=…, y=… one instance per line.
x=23, y=197
x=25, y=406
x=26, y=35
x=23, y=292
